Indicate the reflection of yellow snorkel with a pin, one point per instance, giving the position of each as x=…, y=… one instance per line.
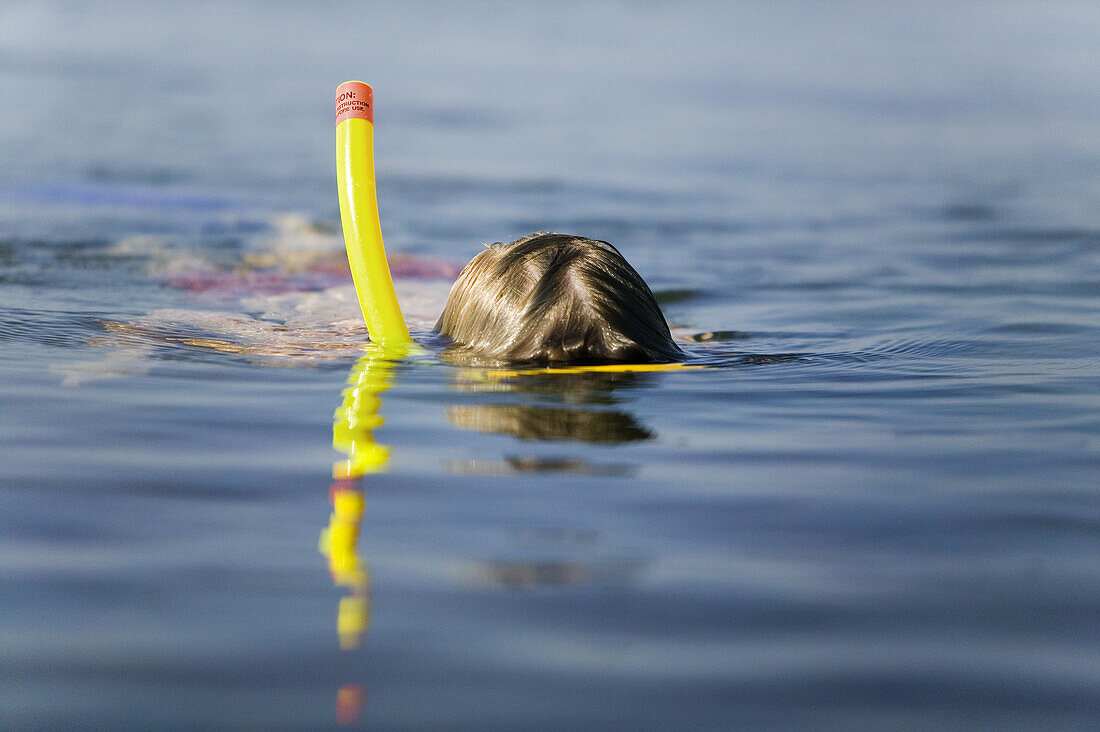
x=352, y=434
x=357, y=416
x=359, y=214
x=353, y=427
x=338, y=542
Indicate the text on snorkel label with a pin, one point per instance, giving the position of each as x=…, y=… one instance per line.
x=354, y=99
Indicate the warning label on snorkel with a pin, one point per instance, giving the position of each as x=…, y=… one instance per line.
x=354, y=99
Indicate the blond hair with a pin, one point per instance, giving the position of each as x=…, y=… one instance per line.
x=555, y=299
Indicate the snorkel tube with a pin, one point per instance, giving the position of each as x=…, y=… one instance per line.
x=359, y=215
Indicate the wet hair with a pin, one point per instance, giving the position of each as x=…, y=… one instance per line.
x=555, y=299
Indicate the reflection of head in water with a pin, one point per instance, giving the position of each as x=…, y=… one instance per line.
x=555, y=299
x=549, y=423
x=537, y=413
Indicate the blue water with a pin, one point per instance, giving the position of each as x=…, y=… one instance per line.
x=879, y=225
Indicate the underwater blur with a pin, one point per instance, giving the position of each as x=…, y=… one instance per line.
x=871, y=503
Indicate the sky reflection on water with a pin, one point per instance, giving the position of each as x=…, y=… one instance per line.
x=876, y=225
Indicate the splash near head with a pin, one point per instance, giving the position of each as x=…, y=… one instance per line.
x=359, y=214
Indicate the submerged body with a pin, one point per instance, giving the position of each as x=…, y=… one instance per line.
x=547, y=299
x=555, y=299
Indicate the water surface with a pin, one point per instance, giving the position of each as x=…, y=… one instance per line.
x=877, y=226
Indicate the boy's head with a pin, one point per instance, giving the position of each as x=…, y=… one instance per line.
x=555, y=299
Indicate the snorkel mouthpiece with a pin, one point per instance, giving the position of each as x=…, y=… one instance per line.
x=359, y=215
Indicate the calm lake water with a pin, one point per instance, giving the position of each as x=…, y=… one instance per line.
x=878, y=225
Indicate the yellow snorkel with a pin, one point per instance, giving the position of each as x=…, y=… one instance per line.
x=359, y=214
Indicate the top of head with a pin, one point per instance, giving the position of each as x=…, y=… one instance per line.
x=555, y=299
